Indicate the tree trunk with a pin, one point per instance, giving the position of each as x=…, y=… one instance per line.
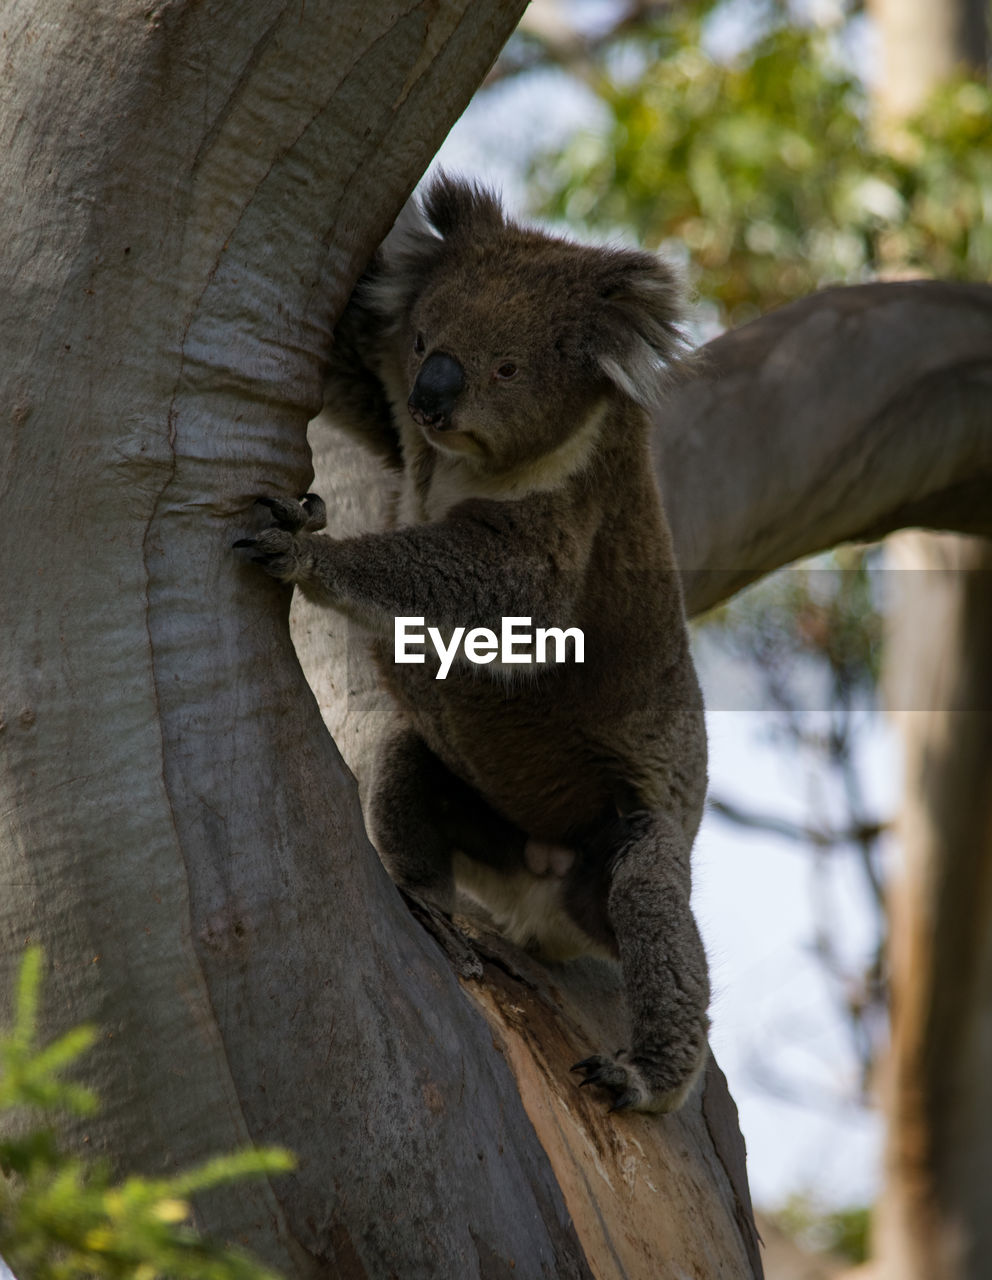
x=189, y=190
x=925, y=42
x=840, y=417
x=933, y=1218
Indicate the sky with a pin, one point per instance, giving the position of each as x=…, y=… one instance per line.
x=774, y=1012
x=777, y=1032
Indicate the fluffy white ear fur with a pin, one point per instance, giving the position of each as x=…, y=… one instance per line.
x=641, y=377
x=643, y=337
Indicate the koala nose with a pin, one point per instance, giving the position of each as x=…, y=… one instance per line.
x=439, y=383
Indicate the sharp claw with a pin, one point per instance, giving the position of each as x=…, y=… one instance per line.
x=584, y=1065
x=316, y=511
x=244, y=542
x=623, y=1102
x=266, y=502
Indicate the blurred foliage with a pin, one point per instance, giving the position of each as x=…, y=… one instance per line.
x=63, y=1218
x=843, y=1233
x=764, y=164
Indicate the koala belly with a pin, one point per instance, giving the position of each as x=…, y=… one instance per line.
x=563, y=777
x=518, y=746
x=530, y=909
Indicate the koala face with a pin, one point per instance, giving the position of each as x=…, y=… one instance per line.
x=499, y=377
x=510, y=338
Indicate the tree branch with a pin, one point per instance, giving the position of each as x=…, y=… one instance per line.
x=798, y=832
x=838, y=418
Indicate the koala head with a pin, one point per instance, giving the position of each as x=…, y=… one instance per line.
x=510, y=338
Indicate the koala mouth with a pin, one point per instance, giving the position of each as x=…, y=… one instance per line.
x=432, y=422
x=449, y=439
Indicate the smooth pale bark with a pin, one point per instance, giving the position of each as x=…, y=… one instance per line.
x=188, y=192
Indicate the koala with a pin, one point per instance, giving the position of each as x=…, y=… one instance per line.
x=506, y=374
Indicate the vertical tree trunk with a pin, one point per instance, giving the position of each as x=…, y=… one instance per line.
x=934, y=1218
x=923, y=43
x=935, y=1214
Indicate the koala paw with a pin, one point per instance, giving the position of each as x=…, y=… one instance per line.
x=629, y=1081
x=308, y=515
x=279, y=550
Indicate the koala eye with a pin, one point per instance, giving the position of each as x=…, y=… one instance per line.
x=419, y=346
x=505, y=371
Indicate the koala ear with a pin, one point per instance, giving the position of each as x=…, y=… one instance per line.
x=639, y=334
x=452, y=205
x=416, y=244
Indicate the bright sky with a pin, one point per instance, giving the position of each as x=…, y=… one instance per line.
x=774, y=1012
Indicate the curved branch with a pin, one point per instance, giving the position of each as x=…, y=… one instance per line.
x=839, y=418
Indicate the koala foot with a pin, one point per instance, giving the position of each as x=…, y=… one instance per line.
x=277, y=549
x=629, y=1081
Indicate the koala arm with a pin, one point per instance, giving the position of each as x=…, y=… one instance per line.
x=486, y=559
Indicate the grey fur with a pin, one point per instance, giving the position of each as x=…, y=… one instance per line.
x=567, y=798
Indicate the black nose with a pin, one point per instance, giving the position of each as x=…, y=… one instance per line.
x=439, y=383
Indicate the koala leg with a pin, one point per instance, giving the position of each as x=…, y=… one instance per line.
x=420, y=814
x=403, y=819
x=664, y=968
